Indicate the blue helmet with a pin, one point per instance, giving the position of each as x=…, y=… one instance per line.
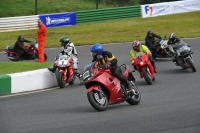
x=98, y=48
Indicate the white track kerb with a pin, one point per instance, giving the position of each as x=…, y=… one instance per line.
x=32, y=80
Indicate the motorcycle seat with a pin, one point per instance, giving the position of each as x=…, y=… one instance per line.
x=12, y=49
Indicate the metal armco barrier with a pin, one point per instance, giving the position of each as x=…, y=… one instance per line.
x=18, y=23
x=108, y=14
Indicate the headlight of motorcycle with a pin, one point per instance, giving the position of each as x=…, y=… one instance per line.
x=141, y=63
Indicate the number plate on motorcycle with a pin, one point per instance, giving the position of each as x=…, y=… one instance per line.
x=86, y=74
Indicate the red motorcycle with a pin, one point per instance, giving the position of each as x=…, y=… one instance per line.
x=103, y=89
x=144, y=67
x=65, y=73
x=31, y=52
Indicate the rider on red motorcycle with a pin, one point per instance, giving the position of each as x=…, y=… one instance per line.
x=68, y=48
x=18, y=47
x=137, y=47
x=107, y=60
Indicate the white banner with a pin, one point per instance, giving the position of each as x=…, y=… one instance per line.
x=166, y=8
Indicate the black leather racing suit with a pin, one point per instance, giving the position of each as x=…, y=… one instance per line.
x=171, y=43
x=150, y=41
x=18, y=46
x=114, y=68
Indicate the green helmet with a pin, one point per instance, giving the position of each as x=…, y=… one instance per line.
x=64, y=41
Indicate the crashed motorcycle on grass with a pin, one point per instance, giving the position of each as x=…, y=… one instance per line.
x=144, y=67
x=184, y=56
x=31, y=52
x=65, y=71
x=103, y=89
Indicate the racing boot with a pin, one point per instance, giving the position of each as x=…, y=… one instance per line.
x=154, y=66
x=174, y=57
x=155, y=70
x=52, y=69
x=128, y=87
x=79, y=75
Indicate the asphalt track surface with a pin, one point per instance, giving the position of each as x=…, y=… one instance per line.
x=170, y=105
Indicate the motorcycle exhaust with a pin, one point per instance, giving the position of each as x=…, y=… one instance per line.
x=12, y=58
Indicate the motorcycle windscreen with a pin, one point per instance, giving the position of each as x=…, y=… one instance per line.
x=86, y=72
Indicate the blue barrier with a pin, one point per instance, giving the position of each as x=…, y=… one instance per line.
x=58, y=19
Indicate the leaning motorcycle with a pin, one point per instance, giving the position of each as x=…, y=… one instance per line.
x=103, y=89
x=184, y=56
x=161, y=49
x=144, y=67
x=65, y=73
x=31, y=52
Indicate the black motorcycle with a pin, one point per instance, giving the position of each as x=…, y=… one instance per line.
x=161, y=49
x=183, y=56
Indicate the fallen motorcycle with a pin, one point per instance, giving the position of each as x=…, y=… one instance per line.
x=30, y=54
x=144, y=67
x=103, y=89
x=65, y=73
x=184, y=56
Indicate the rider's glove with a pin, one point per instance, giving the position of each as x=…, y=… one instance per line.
x=107, y=65
x=99, y=57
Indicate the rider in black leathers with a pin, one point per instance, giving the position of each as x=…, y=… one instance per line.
x=18, y=47
x=172, y=41
x=150, y=41
x=107, y=57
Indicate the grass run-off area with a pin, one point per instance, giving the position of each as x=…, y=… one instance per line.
x=12, y=8
x=185, y=25
x=15, y=67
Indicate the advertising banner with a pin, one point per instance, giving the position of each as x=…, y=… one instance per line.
x=58, y=19
x=166, y=8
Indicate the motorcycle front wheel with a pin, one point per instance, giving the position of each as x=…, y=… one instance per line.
x=100, y=103
x=61, y=82
x=147, y=77
x=190, y=62
x=136, y=98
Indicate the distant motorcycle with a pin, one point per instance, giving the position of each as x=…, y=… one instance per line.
x=103, y=89
x=65, y=74
x=184, y=56
x=31, y=52
x=144, y=67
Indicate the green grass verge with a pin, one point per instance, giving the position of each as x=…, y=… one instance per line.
x=14, y=67
x=126, y=30
x=11, y=8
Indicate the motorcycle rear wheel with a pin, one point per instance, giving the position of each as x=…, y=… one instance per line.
x=100, y=104
x=189, y=61
x=61, y=82
x=147, y=77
